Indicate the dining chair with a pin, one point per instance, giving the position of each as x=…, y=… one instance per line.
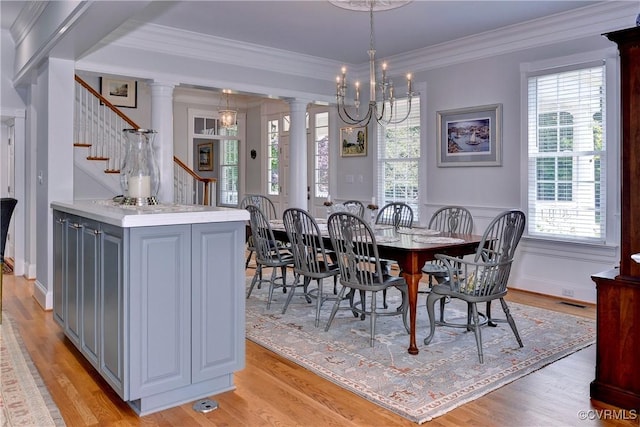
x=266, y=206
x=481, y=279
x=355, y=207
x=451, y=219
x=311, y=258
x=397, y=214
x=7, y=206
x=355, y=245
x=268, y=254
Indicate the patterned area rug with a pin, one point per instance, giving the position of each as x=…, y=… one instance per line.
x=24, y=399
x=446, y=373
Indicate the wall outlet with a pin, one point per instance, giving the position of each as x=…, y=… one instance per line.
x=567, y=292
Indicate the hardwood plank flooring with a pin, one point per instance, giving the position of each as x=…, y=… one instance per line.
x=274, y=391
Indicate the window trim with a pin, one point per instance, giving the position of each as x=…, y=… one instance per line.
x=374, y=146
x=612, y=134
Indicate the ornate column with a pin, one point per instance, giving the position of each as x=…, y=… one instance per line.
x=298, y=154
x=162, y=122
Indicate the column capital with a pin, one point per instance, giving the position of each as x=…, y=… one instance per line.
x=157, y=83
x=298, y=104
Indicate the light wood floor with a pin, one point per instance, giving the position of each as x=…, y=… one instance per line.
x=274, y=391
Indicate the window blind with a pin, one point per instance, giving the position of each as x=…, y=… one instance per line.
x=399, y=158
x=566, y=154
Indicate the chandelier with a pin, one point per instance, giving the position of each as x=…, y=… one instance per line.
x=226, y=115
x=382, y=99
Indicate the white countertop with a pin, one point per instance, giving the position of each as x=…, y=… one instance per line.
x=110, y=212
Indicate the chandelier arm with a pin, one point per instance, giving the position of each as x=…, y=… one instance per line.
x=346, y=117
x=398, y=121
x=381, y=116
x=352, y=122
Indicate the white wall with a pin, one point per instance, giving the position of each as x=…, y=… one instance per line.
x=54, y=162
x=13, y=112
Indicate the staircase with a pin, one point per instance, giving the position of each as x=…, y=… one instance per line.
x=100, y=148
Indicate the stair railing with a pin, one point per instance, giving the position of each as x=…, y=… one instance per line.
x=98, y=126
x=189, y=187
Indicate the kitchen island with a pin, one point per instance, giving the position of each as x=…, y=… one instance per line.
x=152, y=296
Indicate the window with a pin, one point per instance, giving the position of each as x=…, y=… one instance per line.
x=399, y=158
x=321, y=155
x=566, y=156
x=273, y=157
x=229, y=172
x=205, y=129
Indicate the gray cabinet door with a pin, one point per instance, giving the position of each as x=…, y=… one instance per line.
x=73, y=269
x=89, y=295
x=160, y=309
x=112, y=291
x=217, y=302
x=59, y=263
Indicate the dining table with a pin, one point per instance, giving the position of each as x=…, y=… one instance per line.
x=411, y=248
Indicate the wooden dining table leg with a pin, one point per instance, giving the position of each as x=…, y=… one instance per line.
x=413, y=280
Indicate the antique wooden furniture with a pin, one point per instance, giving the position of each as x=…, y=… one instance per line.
x=618, y=291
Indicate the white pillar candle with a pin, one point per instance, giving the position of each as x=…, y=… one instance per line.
x=140, y=186
x=373, y=200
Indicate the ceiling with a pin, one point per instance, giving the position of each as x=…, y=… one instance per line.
x=320, y=29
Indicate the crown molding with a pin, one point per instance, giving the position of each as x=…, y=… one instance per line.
x=171, y=41
x=26, y=19
x=578, y=23
x=588, y=21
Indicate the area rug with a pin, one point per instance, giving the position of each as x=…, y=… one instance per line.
x=24, y=398
x=446, y=373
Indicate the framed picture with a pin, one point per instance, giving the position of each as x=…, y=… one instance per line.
x=205, y=156
x=470, y=136
x=121, y=93
x=353, y=141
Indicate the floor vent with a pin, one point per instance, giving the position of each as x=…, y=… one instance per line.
x=573, y=304
x=206, y=405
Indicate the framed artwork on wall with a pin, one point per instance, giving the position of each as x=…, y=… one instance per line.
x=353, y=141
x=470, y=136
x=119, y=92
x=205, y=156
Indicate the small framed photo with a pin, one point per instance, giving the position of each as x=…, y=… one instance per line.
x=470, y=136
x=205, y=156
x=120, y=93
x=353, y=141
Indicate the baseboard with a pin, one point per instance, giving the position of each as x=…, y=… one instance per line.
x=615, y=396
x=42, y=295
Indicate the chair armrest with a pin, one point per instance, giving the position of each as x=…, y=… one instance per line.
x=475, y=278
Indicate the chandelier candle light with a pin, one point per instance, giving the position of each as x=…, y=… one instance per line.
x=385, y=86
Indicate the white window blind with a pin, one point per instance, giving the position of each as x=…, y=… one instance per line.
x=399, y=158
x=321, y=155
x=566, y=156
x=273, y=157
x=229, y=172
